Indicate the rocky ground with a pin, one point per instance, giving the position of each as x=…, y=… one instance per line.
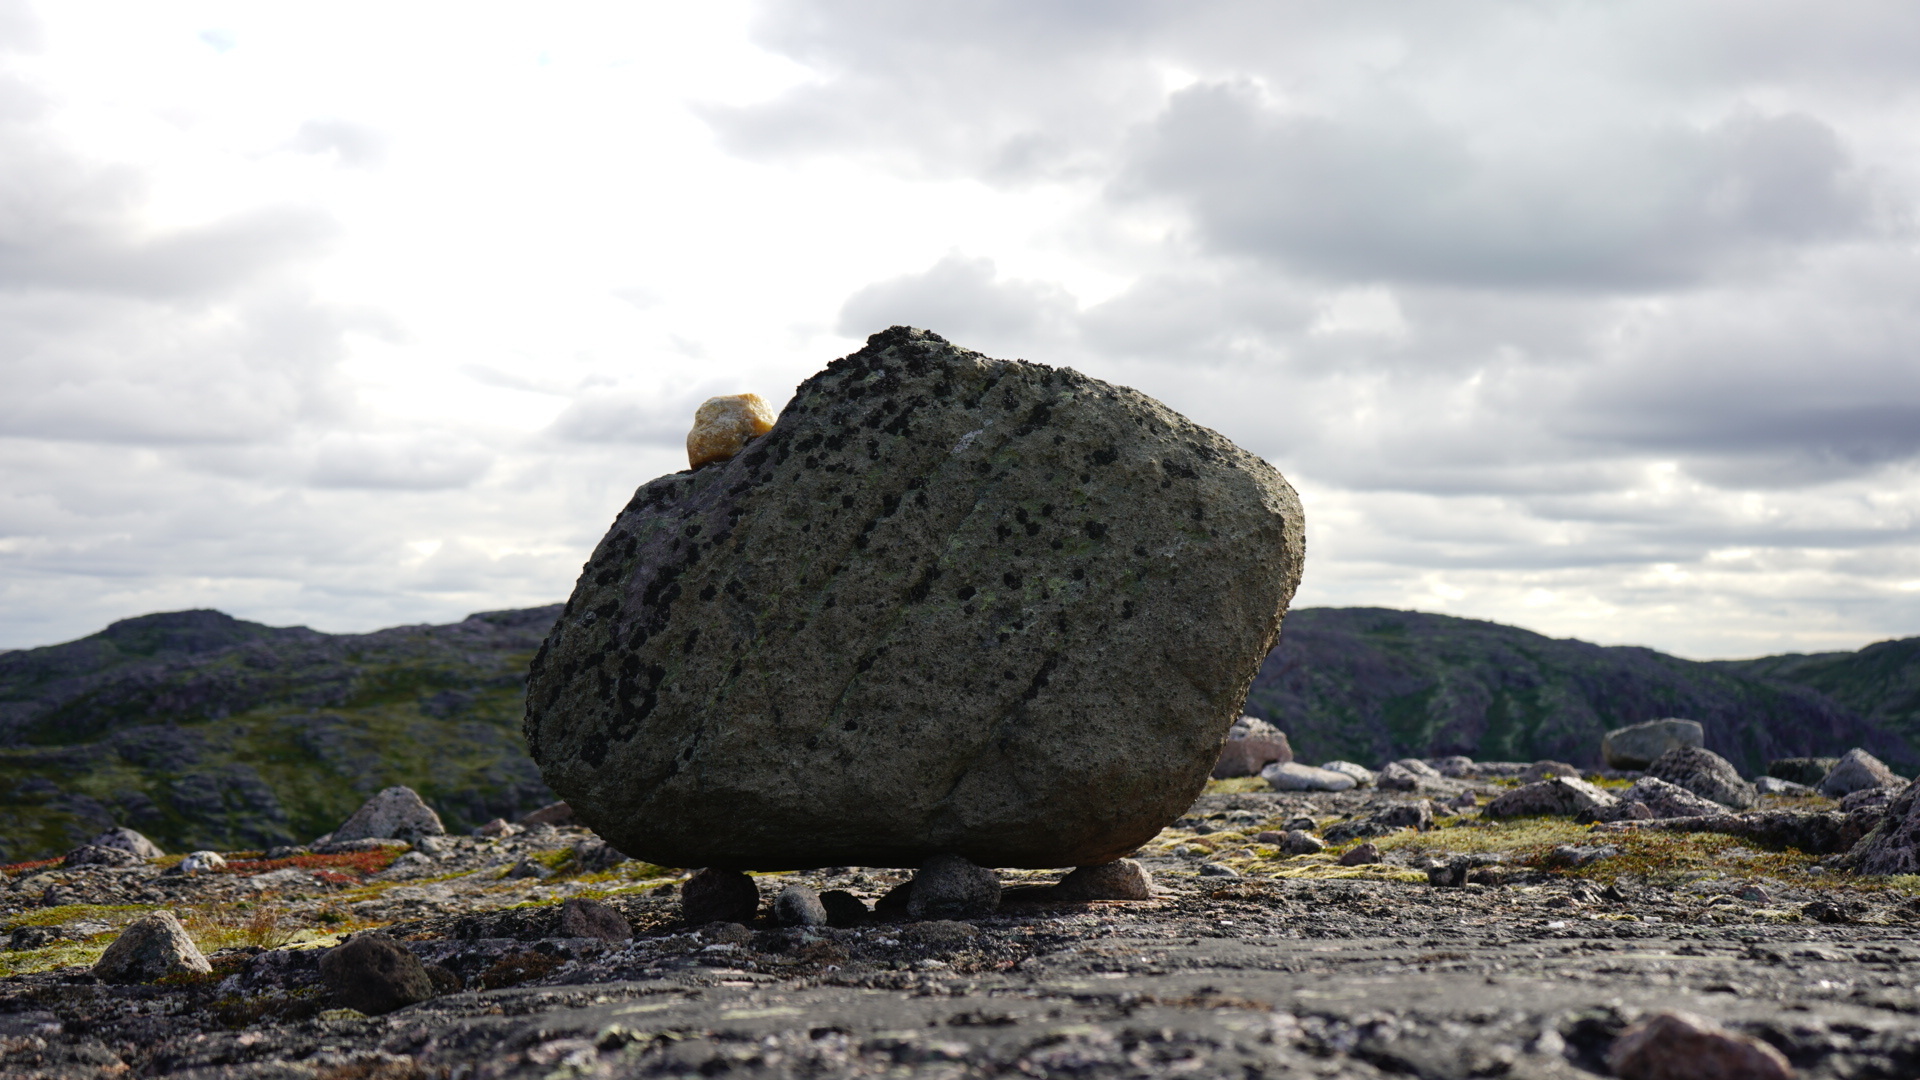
x=1247, y=961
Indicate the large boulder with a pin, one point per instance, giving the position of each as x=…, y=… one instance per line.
x=1252, y=744
x=1637, y=746
x=948, y=604
x=1893, y=847
x=397, y=813
x=1857, y=770
x=1706, y=774
x=128, y=840
x=1651, y=798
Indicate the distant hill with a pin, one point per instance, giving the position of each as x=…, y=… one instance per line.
x=202, y=730
x=1373, y=684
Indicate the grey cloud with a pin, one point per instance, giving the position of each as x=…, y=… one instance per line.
x=351, y=144
x=624, y=415
x=415, y=462
x=1394, y=194
x=966, y=300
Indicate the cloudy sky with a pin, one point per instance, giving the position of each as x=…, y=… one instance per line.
x=1598, y=318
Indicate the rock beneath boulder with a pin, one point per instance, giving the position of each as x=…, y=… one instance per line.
x=585, y=918
x=374, y=974
x=1542, y=770
x=1704, y=773
x=395, y=813
x=1560, y=795
x=151, y=947
x=1294, y=776
x=127, y=840
x=798, y=905
x=950, y=887
x=1121, y=879
x=885, y=630
x=1362, y=776
x=1637, y=746
x=1857, y=770
x=1252, y=744
x=1363, y=855
x=1681, y=1046
x=1893, y=847
x=95, y=855
x=1802, y=770
x=843, y=908
x=714, y=895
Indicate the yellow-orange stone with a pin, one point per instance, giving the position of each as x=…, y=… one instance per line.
x=722, y=427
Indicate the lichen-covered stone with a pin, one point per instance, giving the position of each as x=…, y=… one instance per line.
x=948, y=604
x=1659, y=799
x=374, y=974
x=202, y=862
x=1637, y=746
x=1252, y=744
x=1704, y=773
x=723, y=426
x=587, y=918
x=128, y=840
x=1559, y=795
x=151, y=947
x=1293, y=776
x=1893, y=847
x=1857, y=770
x=950, y=887
x=395, y=813
x=1121, y=879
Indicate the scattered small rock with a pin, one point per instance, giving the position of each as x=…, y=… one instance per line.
x=950, y=887
x=1384, y=822
x=1362, y=776
x=202, y=862
x=1457, y=767
x=95, y=855
x=594, y=856
x=1637, y=746
x=1361, y=856
x=1680, y=1046
x=582, y=917
x=798, y=905
x=151, y=947
x=1122, y=879
x=1808, y=771
x=128, y=840
x=1704, y=773
x=396, y=813
x=1857, y=770
x=1544, y=770
x=1576, y=855
x=1252, y=744
x=1217, y=870
x=529, y=867
x=1297, y=842
x=1658, y=799
x=556, y=813
x=1293, y=776
x=497, y=828
x=714, y=895
x=1409, y=774
x=375, y=974
x=1560, y=795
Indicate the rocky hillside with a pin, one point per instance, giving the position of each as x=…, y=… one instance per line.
x=204, y=731
x=1372, y=684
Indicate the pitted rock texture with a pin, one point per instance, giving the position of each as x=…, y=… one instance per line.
x=1706, y=774
x=394, y=813
x=949, y=604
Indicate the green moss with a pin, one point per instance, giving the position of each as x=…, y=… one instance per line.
x=117, y=914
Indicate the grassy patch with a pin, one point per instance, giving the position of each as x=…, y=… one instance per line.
x=1237, y=785
x=117, y=914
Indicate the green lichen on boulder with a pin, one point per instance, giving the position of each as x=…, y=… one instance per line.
x=948, y=604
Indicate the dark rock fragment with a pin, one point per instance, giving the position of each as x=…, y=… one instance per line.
x=1560, y=795
x=1361, y=856
x=583, y=917
x=1680, y=1046
x=1807, y=771
x=375, y=974
x=798, y=905
x=1706, y=774
x=715, y=895
x=843, y=908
